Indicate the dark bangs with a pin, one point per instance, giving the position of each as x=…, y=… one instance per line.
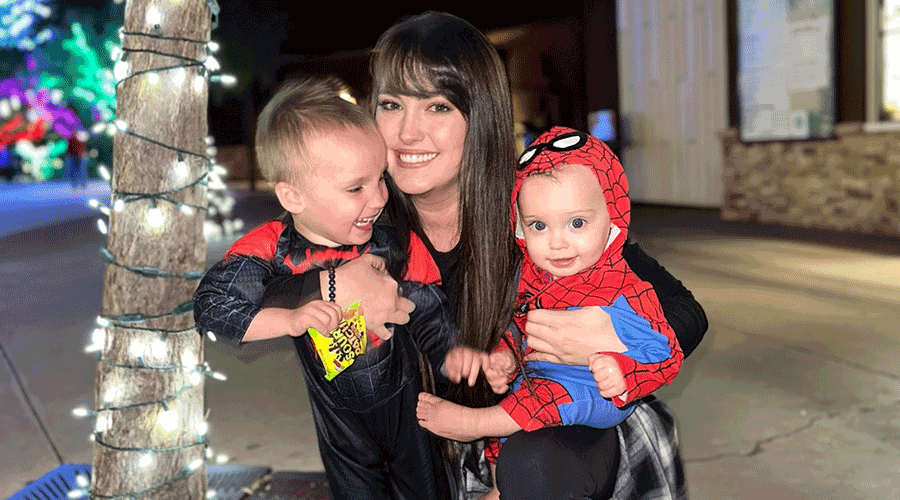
x=416, y=61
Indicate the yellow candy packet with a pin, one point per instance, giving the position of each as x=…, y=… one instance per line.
x=346, y=342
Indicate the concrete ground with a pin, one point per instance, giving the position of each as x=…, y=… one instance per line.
x=794, y=393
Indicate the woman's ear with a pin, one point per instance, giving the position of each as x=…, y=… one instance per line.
x=290, y=197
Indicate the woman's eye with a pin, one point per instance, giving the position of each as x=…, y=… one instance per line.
x=578, y=223
x=442, y=108
x=387, y=105
x=355, y=189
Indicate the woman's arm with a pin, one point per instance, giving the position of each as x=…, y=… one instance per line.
x=571, y=336
x=684, y=314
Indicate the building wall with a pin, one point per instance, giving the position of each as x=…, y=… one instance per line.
x=850, y=183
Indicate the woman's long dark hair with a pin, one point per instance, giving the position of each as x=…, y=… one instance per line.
x=438, y=53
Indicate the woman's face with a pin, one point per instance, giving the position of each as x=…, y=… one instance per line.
x=425, y=140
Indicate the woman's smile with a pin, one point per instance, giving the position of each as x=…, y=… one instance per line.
x=415, y=159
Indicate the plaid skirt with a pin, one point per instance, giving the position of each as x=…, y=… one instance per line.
x=650, y=466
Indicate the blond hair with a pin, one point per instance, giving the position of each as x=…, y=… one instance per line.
x=298, y=110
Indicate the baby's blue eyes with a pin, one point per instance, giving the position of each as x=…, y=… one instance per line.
x=538, y=225
x=578, y=223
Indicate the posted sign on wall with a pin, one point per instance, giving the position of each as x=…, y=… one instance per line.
x=786, y=69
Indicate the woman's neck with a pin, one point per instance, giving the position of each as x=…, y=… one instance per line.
x=439, y=216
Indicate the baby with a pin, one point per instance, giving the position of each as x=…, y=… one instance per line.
x=570, y=212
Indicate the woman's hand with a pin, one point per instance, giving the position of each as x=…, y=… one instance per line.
x=570, y=336
x=365, y=280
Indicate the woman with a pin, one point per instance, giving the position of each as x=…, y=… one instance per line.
x=442, y=104
x=441, y=100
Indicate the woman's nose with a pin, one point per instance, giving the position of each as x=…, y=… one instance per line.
x=410, y=130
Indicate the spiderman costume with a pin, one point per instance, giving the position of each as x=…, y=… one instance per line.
x=550, y=394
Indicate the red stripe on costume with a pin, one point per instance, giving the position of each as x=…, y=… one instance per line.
x=260, y=242
x=314, y=257
x=420, y=266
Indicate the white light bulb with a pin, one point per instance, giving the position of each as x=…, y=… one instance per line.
x=195, y=378
x=188, y=359
x=110, y=395
x=137, y=348
x=102, y=321
x=211, y=63
x=168, y=420
x=94, y=203
x=222, y=458
x=121, y=70
x=153, y=78
x=219, y=376
x=202, y=428
x=80, y=412
x=119, y=205
x=180, y=75
x=153, y=16
x=187, y=210
x=198, y=83
x=158, y=348
x=220, y=170
x=196, y=464
x=181, y=169
x=82, y=481
x=104, y=172
x=146, y=459
x=102, y=423
x=213, y=46
x=211, y=336
x=101, y=226
x=121, y=125
x=98, y=336
x=155, y=218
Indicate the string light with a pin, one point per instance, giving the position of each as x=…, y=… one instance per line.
x=158, y=208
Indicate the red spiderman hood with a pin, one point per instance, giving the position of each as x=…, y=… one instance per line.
x=551, y=150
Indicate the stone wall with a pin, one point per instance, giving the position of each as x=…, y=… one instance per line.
x=849, y=183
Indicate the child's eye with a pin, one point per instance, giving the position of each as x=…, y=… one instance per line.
x=578, y=223
x=538, y=225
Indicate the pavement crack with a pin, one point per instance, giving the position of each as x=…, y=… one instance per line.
x=758, y=447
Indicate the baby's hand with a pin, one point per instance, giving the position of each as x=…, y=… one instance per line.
x=501, y=365
x=607, y=374
x=319, y=314
x=464, y=362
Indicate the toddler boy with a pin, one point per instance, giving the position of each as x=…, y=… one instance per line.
x=327, y=162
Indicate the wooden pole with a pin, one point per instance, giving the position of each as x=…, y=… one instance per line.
x=151, y=438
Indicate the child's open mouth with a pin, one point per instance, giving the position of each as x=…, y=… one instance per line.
x=562, y=262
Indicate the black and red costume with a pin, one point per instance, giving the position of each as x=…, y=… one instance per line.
x=371, y=444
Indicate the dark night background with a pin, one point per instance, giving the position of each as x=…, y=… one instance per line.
x=265, y=41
